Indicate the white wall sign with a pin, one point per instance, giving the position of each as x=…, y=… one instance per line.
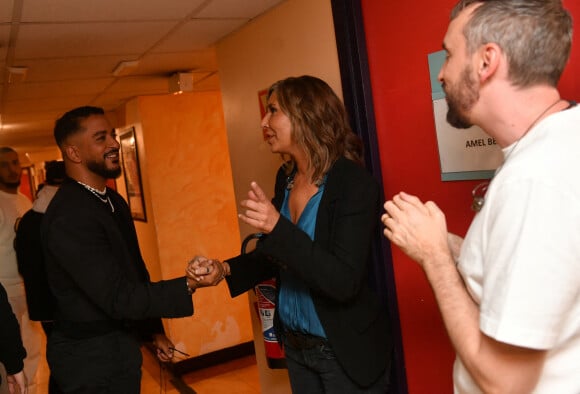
x=463, y=153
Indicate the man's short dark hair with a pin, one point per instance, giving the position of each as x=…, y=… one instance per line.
x=7, y=149
x=69, y=123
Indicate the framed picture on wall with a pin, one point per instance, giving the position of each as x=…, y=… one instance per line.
x=132, y=172
x=263, y=103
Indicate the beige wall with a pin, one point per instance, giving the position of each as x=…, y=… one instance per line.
x=146, y=231
x=293, y=39
x=190, y=207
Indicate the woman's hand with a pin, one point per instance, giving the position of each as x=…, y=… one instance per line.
x=259, y=213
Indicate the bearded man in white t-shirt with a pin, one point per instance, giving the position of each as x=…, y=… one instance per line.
x=509, y=294
x=13, y=205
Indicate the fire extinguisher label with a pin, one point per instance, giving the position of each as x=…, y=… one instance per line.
x=265, y=294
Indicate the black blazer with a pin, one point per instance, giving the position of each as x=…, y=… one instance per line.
x=12, y=353
x=95, y=269
x=335, y=267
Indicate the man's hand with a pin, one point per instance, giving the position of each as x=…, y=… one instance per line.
x=164, y=347
x=18, y=380
x=419, y=229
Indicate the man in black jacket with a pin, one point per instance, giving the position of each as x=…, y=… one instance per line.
x=12, y=353
x=31, y=265
x=105, y=301
x=29, y=249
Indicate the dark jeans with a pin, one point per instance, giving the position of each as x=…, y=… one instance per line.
x=108, y=363
x=314, y=370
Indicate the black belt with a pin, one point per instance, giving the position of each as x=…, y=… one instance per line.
x=301, y=340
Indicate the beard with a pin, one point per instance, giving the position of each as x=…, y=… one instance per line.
x=11, y=185
x=100, y=168
x=461, y=99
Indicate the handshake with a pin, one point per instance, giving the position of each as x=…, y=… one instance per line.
x=203, y=272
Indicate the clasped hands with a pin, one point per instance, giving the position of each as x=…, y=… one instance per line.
x=259, y=213
x=206, y=272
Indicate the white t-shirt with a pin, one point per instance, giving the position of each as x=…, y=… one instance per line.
x=520, y=259
x=12, y=207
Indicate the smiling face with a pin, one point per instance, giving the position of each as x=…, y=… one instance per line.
x=277, y=128
x=457, y=76
x=98, y=147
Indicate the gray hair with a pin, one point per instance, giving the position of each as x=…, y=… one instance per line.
x=535, y=35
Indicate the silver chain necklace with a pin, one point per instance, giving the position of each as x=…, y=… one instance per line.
x=101, y=195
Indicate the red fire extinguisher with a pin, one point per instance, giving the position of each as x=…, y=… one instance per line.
x=266, y=306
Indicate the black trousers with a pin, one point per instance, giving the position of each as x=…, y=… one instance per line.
x=109, y=363
x=52, y=386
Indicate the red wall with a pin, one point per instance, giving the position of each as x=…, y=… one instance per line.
x=26, y=184
x=399, y=36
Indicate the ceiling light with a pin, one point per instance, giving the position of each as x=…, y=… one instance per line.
x=125, y=67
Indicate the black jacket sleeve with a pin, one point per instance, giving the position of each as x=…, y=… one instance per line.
x=247, y=270
x=12, y=352
x=32, y=267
